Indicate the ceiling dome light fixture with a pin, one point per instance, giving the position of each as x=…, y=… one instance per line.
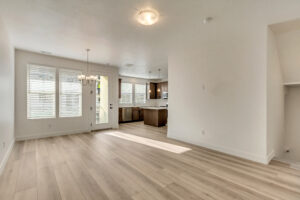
x=147, y=17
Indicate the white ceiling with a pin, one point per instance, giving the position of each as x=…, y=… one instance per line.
x=108, y=27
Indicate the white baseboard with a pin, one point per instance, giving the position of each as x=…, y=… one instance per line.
x=293, y=164
x=53, y=134
x=270, y=156
x=229, y=151
x=6, y=156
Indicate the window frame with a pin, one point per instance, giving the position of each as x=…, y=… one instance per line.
x=145, y=92
x=59, y=93
x=29, y=66
x=133, y=96
x=132, y=93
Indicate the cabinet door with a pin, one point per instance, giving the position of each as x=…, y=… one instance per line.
x=141, y=114
x=152, y=91
x=159, y=90
x=135, y=114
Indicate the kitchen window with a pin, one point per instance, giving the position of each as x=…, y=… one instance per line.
x=140, y=93
x=126, y=93
x=41, y=83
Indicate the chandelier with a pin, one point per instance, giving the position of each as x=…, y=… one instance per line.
x=87, y=78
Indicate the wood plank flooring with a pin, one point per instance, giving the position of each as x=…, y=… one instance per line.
x=96, y=166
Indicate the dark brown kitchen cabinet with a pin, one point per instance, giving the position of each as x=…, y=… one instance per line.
x=152, y=90
x=135, y=114
x=141, y=114
x=159, y=90
x=155, y=117
x=129, y=114
x=155, y=90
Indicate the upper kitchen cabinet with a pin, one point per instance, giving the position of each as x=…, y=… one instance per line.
x=158, y=90
x=152, y=90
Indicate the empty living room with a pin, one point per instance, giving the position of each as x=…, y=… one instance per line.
x=150, y=100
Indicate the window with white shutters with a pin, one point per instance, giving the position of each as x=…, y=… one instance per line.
x=40, y=92
x=70, y=94
x=126, y=93
x=140, y=93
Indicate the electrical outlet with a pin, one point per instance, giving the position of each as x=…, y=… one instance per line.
x=49, y=126
x=287, y=149
x=203, y=132
x=3, y=144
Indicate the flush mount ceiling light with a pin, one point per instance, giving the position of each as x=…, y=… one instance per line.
x=147, y=17
x=207, y=20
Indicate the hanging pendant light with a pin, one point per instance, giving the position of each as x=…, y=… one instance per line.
x=158, y=89
x=87, y=79
x=149, y=83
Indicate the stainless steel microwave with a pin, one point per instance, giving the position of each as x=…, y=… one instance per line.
x=165, y=95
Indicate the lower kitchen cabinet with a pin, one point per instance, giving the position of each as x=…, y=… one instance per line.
x=141, y=114
x=129, y=114
x=135, y=114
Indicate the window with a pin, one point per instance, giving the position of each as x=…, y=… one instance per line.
x=140, y=93
x=40, y=92
x=126, y=93
x=70, y=94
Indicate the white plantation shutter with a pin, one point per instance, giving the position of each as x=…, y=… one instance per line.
x=40, y=92
x=140, y=93
x=70, y=94
x=126, y=93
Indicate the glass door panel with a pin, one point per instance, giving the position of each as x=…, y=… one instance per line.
x=102, y=107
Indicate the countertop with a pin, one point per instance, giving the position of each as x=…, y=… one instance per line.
x=154, y=108
x=147, y=107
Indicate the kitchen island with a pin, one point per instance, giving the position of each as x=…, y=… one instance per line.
x=155, y=116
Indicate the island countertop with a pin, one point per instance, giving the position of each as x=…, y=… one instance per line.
x=154, y=108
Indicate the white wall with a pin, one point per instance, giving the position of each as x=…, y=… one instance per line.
x=292, y=116
x=218, y=78
x=275, y=100
x=7, y=96
x=149, y=102
x=26, y=128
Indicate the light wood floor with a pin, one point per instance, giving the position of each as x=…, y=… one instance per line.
x=100, y=166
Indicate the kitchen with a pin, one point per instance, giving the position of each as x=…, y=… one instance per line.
x=143, y=100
